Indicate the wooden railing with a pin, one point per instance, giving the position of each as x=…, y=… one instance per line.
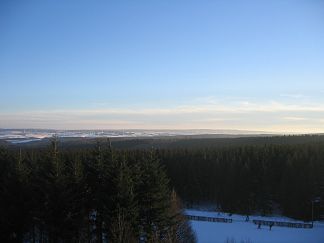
x=209, y=219
x=255, y=221
x=283, y=224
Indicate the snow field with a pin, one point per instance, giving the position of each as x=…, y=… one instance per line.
x=239, y=230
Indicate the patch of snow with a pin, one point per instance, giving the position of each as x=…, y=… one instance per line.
x=12, y=134
x=23, y=141
x=240, y=230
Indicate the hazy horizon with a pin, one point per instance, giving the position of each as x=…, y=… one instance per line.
x=239, y=65
x=198, y=131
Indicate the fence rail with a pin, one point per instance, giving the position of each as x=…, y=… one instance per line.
x=209, y=219
x=255, y=221
x=283, y=224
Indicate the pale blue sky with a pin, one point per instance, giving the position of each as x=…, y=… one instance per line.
x=254, y=65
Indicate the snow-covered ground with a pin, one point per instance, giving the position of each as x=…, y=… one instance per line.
x=29, y=135
x=210, y=232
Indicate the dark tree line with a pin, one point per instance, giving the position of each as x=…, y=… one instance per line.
x=88, y=195
x=247, y=179
x=97, y=194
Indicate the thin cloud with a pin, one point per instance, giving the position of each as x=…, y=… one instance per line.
x=293, y=118
x=294, y=96
x=235, y=107
x=212, y=115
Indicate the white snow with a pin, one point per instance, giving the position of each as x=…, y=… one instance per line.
x=24, y=135
x=23, y=140
x=210, y=232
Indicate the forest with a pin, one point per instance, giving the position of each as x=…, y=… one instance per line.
x=260, y=179
x=102, y=192
x=93, y=195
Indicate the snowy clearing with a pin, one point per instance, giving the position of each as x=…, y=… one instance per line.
x=240, y=230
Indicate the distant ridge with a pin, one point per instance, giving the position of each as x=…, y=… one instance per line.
x=22, y=136
x=31, y=135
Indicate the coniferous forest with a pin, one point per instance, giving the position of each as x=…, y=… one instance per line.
x=262, y=179
x=100, y=193
x=94, y=195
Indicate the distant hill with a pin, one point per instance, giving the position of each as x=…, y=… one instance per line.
x=174, y=142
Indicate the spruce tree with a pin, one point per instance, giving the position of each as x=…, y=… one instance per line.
x=153, y=198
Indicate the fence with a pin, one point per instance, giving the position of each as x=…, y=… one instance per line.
x=209, y=219
x=283, y=224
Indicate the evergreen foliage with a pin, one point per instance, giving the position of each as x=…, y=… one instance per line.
x=247, y=179
x=89, y=195
x=100, y=194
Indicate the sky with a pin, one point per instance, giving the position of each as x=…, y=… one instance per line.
x=171, y=64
